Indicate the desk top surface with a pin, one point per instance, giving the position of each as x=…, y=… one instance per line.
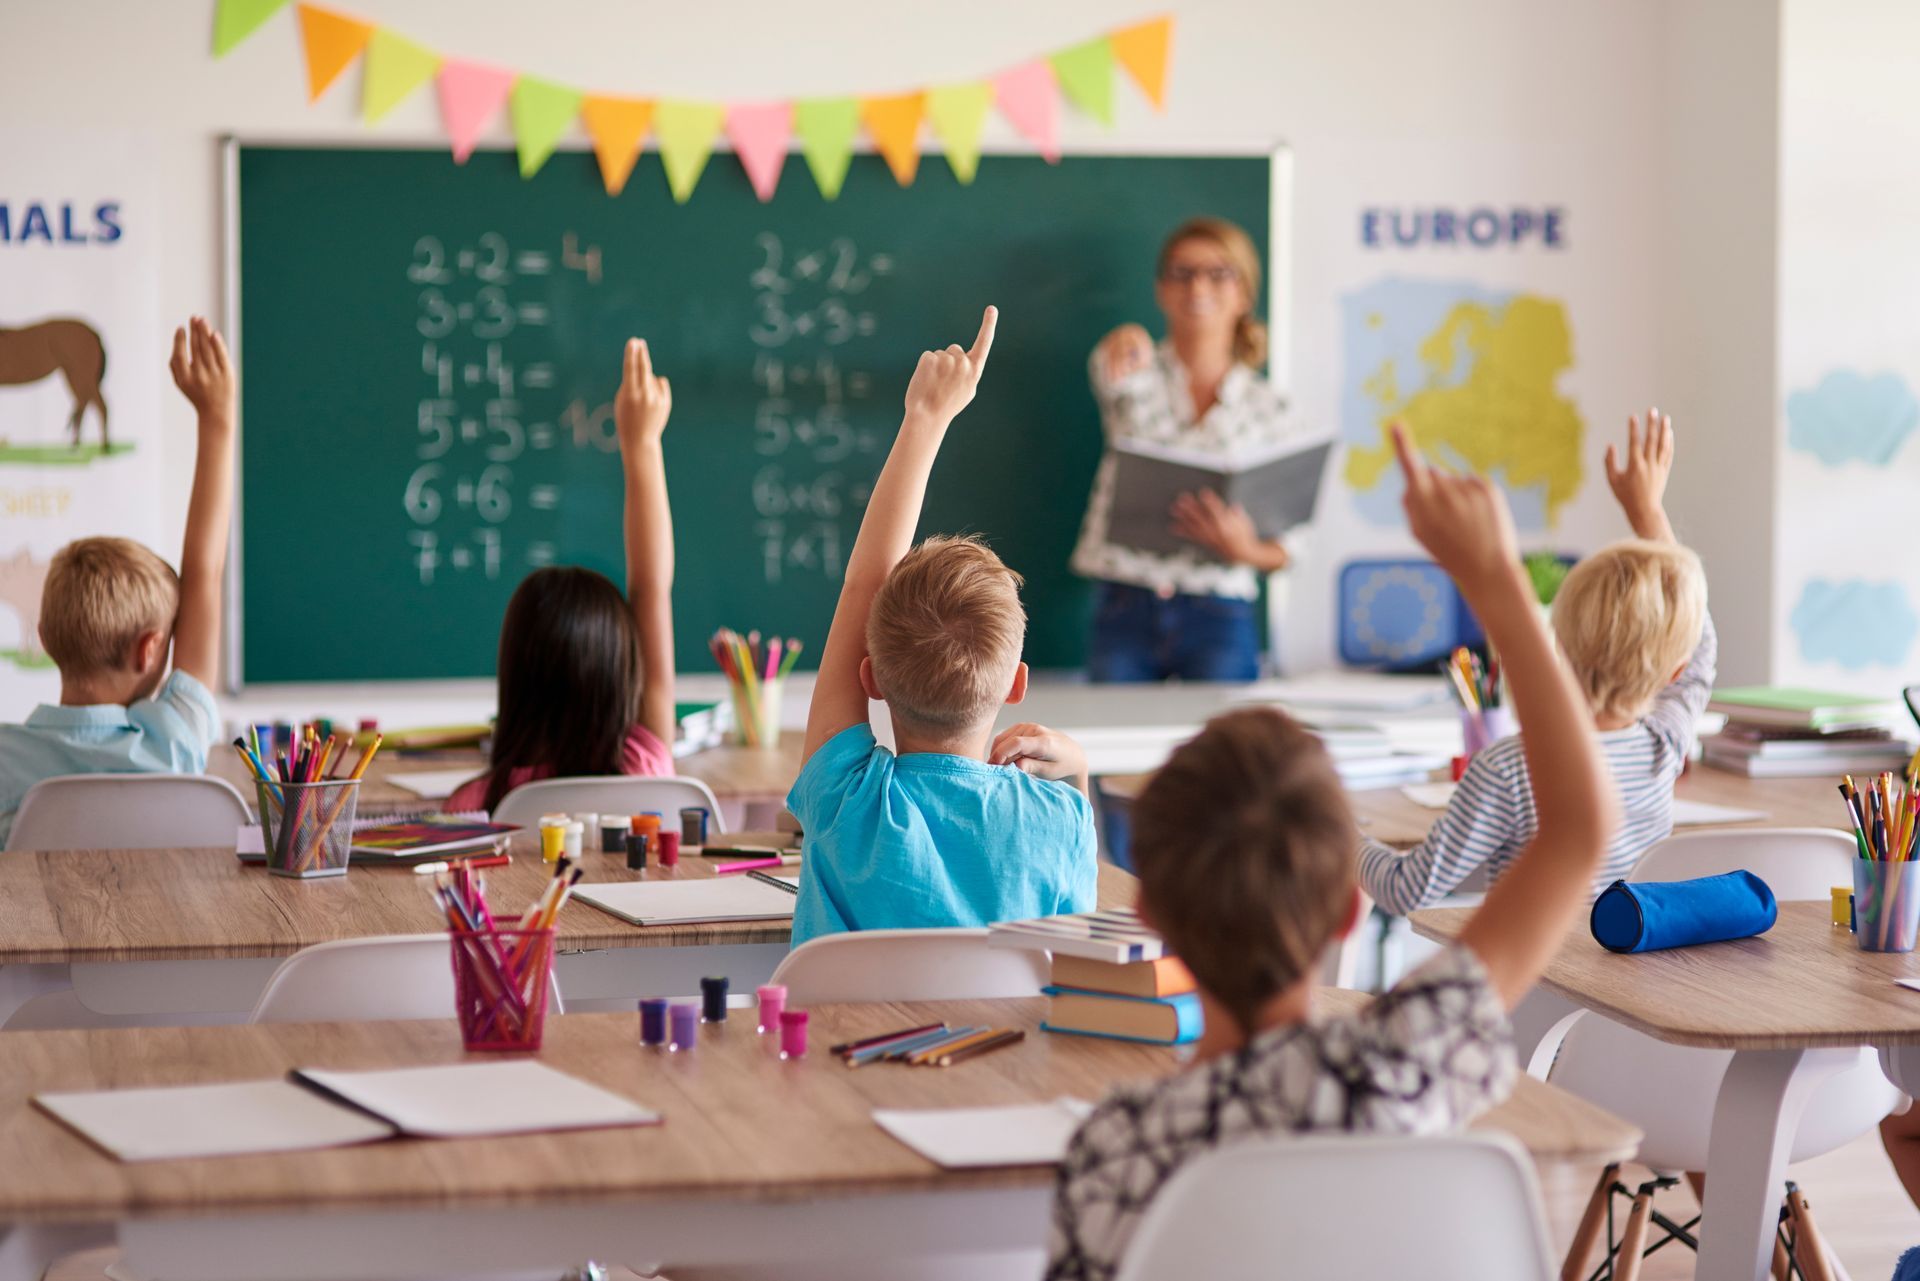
x=739, y=1123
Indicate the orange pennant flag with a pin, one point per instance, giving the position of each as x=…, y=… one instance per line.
x=894, y=123
x=616, y=126
x=1142, y=50
x=332, y=41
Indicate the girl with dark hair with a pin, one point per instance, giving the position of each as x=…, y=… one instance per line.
x=586, y=677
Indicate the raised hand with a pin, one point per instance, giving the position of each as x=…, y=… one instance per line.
x=1127, y=350
x=644, y=401
x=944, y=381
x=1462, y=521
x=1639, y=482
x=203, y=371
x=1039, y=751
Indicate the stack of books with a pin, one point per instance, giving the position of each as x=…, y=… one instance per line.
x=1111, y=977
x=700, y=726
x=1778, y=733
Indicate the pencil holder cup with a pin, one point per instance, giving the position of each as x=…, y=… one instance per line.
x=756, y=714
x=308, y=827
x=1886, y=904
x=1484, y=728
x=500, y=984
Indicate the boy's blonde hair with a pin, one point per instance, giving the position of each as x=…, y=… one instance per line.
x=945, y=633
x=1626, y=618
x=100, y=595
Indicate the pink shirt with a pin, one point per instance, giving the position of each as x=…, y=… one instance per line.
x=642, y=753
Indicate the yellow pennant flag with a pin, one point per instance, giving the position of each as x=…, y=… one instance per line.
x=1142, y=50
x=686, y=131
x=332, y=41
x=396, y=67
x=957, y=112
x=894, y=123
x=616, y=126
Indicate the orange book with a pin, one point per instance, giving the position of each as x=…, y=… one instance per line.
x=1164, y=977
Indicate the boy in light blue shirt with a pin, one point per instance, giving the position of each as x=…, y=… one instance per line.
x=961, y=827
x=111, y=610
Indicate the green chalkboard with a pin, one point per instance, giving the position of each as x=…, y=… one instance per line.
x=430, y=353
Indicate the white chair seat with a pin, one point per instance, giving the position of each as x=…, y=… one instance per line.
x=909, y=965
x=127, y=812
x=390, y=976
x=617, y=794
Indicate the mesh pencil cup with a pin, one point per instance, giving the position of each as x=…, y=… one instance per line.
x=308, y=827
x=500, y=984
x=1886, y=904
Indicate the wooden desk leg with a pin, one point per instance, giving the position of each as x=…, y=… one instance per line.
x=1754, y=1119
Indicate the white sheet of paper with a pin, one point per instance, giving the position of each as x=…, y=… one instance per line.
x=432, y=785
x=1698, y=813
x=723, y=898
x=470, y=1099
x=963, y=1138
x=1432, y=796
x=1908, y=983
x=211, y=1120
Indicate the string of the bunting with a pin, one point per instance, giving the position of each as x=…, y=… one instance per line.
x=541, y=112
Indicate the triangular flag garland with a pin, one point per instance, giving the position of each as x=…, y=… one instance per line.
x=471, y=95
x=331, y=43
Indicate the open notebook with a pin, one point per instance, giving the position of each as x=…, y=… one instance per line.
x=314, y=1108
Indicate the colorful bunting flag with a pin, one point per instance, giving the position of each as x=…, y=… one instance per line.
x=616, y=126
x=1027, y=99
x=471, y=95
x=894, y=124
x=396, y=67
x=235, y=20
x=542, y=111
x=1086, y=77
x=1142, y=50
x=759, y=133
x=686, y=131
x=332, y=41
x=957, y=113
x=826, y=127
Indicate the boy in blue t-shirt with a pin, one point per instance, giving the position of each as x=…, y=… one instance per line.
x=961, y=827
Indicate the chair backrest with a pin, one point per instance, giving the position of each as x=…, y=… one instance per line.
x=619, y=794
x=127, y=812
x=384, y=976
x=1462, y=1207
x=1797, y=863
x=909, y=965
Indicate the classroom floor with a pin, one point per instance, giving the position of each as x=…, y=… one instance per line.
x=1853, y=1193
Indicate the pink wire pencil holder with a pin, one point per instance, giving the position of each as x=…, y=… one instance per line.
x=500, y=982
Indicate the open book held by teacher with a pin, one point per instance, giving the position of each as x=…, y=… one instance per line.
x=1277, y=484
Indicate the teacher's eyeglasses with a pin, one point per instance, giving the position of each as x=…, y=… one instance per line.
x=1184, y=275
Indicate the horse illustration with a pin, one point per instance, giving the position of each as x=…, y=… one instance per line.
x=21, y=580
x=70, y=347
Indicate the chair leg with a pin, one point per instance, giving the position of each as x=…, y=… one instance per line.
x=1781, y=1265
x=1592, y=1223
x=1633, y=1237
x=1809, y=1247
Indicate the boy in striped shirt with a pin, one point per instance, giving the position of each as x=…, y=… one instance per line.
x=1632, y=623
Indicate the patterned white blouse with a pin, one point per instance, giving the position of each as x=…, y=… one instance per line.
x=1154, y=404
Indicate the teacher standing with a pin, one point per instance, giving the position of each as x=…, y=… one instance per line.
x=1190, y=614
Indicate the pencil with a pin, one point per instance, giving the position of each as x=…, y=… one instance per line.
x=1009, y=1037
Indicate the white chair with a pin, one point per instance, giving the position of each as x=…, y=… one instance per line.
x=127, y=812
x=909, y=965
x=1669, y=1090
x=1464, y=1208
x=391, y=976
x=619, y=794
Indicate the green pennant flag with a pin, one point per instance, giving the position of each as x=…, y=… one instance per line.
x=686, y=131
x=826, y=127
x=542, y=111
x=1086, y=77
x=396, y=67
x=235, y=20
x=957, y=112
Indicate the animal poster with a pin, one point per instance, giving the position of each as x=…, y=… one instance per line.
x=82, y=366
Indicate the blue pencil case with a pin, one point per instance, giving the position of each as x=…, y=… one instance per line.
x=1650, y=915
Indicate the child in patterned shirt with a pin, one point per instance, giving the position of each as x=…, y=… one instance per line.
x=1244, y=843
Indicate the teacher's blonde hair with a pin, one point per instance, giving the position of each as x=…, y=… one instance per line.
x=1249, y=334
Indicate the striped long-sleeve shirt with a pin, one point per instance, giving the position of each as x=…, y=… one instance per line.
x=1491, y=817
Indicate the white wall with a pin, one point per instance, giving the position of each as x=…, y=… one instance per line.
x=1621, y=106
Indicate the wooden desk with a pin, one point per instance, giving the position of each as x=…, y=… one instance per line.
x=1777, y=1001
x=757, y=1159
x=176, y=912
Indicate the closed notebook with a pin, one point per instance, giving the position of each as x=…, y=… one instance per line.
x=721, y=898
x=1800, y=708
x=1163, y=1020
x=1164, y=977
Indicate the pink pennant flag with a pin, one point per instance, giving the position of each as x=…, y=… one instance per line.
x=471, y=95
x=1030, y=101
x=759, y=133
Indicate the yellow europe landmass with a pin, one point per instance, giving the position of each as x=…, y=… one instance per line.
x=1487, y=400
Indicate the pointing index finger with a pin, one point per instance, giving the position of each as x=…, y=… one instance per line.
x=1412, y=465
x=646, y=360
x=983, y=343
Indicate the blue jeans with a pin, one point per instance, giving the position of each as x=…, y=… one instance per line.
x=1138, y=637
